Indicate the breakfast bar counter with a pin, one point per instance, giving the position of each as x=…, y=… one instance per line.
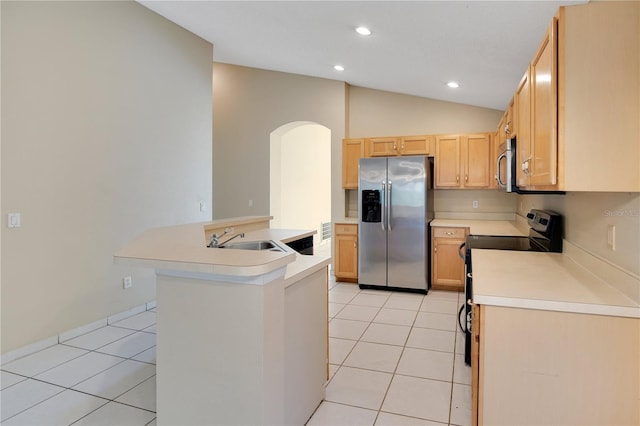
x=231, y=322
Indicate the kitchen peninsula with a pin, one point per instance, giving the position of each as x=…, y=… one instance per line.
x=241, y=334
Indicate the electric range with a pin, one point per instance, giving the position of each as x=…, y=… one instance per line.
x=545, y=235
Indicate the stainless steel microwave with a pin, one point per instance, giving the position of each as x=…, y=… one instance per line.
x=506, y=174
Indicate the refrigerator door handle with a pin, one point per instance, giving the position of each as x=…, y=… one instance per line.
x=384, y=208
x=389, y=213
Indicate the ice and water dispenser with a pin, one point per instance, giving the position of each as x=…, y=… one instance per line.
x=371, y=206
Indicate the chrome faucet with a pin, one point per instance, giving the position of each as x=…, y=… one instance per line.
x=241, y=235
x=215, y=239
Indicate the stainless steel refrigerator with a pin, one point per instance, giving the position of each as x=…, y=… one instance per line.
x=395, y=206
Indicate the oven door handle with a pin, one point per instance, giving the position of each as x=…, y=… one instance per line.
x=460, y=312
x=462, y=256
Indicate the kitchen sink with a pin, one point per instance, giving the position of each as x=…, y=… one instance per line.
x=268, y=245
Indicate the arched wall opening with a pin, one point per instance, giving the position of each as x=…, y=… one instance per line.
x=300, y=180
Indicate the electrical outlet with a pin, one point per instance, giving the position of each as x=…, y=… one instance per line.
x=250, y=203
x=475, y=204
x=127, y=282
x=611, y=237
x=203, y=206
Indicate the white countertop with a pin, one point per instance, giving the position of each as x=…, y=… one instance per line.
x=483, y=227
x=545, y=281
x=184, y=248
x=348, y=220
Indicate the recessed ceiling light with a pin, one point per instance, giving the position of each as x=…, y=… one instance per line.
x=338, y=67
x=363, y=31
x=453, y=84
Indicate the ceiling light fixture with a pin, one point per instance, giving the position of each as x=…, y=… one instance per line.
x=453, y=84
x=363, y=31
x=338, y=67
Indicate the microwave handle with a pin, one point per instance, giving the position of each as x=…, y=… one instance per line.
x=498, y=177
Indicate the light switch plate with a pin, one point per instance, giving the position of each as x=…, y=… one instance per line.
x=14, y=221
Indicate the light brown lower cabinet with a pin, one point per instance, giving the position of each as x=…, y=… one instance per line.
x=447, y=267
x=345, y=259
x=554, y=368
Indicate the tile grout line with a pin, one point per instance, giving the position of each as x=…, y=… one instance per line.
x=88, y=351
x=413, y=325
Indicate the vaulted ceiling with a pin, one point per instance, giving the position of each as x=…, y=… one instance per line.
x=416, y=47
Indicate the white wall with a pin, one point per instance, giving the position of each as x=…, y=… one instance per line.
x=587, y=217
x=106, y=131
x=379, y=113
x=249, y=104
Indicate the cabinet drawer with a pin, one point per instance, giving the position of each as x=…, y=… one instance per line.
x=459, y=233
x=346, y=229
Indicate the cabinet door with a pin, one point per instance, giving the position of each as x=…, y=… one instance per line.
x=544, y=93
x=447, y=162
x=416, y=145
x=523, y=114
x=352, y=151
x=346, y=252
x=511, y=125
x=448, y=267
x=495, y=152
x=477, y=156
x=382, y=147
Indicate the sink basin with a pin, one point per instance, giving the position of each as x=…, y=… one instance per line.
x=254, y=245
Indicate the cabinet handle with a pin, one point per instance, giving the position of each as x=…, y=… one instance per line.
x=448, y=233
x=355, y=244
x=525, y=166
x=395, y=147
x=507, y=128
x=402, y=148
x=466, y=178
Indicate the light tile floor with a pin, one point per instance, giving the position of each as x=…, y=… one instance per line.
x=395, y=359
x=104, y=377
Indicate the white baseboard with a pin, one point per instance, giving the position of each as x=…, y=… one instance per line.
x=70, y=334
x=126, y=314
x=29, y=349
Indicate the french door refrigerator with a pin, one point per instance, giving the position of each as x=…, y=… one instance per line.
x=395, y=206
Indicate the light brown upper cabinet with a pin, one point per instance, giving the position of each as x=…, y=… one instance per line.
x=382, y=147
x=463, y=161
x=523, y=113
x=447, y=162
x=417, y=145
x=507, y=129
x=576, y=108
x=352, y=152
x=405, y=145
x=477, y=160
x=538, y=155
x=599, y=97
